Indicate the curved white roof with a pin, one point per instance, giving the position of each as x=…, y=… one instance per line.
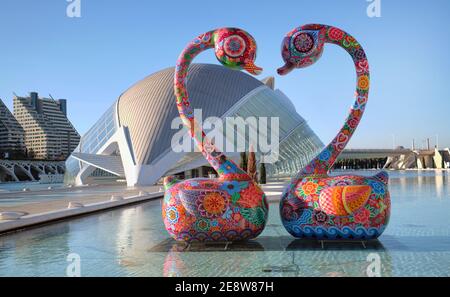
x=148, y=107
x=137, y=128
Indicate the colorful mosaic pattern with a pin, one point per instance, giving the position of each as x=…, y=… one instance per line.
x=316, y=205
x=231, y=207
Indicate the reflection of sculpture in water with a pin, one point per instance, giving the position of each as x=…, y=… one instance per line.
x=197, y=259
x=232, y=207
x=173, y=264
x=340, y=259
x=296, y=258
x=314, y=204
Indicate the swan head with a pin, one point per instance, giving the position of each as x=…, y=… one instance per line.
x=236, y=49
x=302, y=47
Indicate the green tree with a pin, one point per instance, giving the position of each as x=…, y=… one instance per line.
x=243, y=163
x=251, y=165
x=262, y=174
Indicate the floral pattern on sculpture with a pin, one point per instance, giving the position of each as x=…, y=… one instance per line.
x=315, y=204
x=231, y=207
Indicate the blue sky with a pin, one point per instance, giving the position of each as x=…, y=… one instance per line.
x=91, y=60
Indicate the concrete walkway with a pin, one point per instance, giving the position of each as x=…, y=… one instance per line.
x=88, y=200
x=57, y=199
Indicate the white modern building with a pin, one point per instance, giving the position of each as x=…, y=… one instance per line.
x=132, y=140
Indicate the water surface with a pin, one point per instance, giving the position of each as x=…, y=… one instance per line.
x=132, y=242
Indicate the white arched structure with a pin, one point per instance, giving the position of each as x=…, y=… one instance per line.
x=11, y=170
x=132, y=140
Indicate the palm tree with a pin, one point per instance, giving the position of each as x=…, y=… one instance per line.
x=251, y=170
x=243, y=163
x=262, y=174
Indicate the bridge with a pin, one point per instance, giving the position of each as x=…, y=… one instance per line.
x=399, y=158
x=15, y=171
x=372, y=153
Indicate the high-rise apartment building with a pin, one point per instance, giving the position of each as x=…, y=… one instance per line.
x=48, y=132
x=11, y=134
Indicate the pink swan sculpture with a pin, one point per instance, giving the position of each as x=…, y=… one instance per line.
x=314, y=204
x=231, y=207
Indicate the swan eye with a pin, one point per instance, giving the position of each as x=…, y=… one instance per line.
x=234, y=46
x=303, y=42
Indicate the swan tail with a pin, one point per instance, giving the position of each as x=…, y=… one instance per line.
x=169, y=182
x=383, y=176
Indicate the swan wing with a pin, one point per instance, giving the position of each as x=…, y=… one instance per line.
x=205, y=203
x=344, y=200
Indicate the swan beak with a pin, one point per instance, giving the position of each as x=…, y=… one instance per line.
x=288, y=67
x=253, y=69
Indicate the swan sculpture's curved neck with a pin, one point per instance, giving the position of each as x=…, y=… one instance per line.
x=215, y=158
x=321, y=164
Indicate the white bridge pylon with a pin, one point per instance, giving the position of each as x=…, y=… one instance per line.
x=11, y=170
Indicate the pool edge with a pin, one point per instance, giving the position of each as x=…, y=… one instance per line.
x=35, y=220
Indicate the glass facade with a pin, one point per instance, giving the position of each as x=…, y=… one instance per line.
x=92, y=141
x=298, y=144
x=296, y=150
x=100, y=133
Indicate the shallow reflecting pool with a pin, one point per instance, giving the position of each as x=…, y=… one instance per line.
x=19, y=186
x=132, y=242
